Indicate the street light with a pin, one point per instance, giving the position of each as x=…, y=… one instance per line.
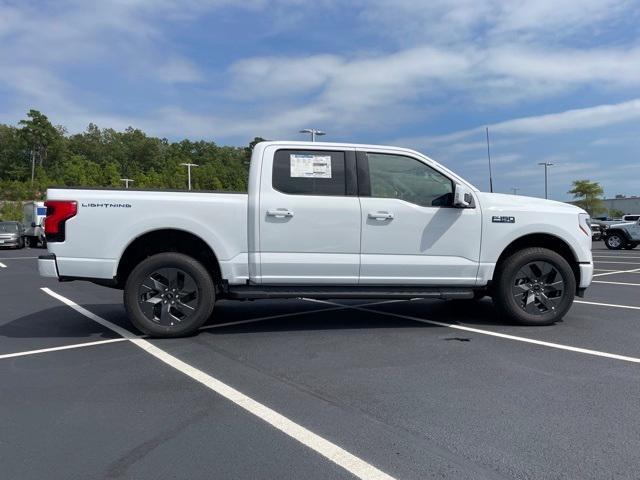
x=126, y=182
x=546, y=165
x=515, y=190
x=313, y=133
x=189, y=165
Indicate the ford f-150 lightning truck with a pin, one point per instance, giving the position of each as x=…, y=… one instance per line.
x=321, y=220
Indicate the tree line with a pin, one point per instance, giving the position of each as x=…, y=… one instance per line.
x=36, y=154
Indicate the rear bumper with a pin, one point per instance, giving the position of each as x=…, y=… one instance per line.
x=586, y=274
x=47, y=266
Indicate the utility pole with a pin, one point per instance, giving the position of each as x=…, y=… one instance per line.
x=189, y=165
x=546, y=188
x=33, y=165
x=489, y=157
x=515, y=190
x=314, y=133
x=126, y=182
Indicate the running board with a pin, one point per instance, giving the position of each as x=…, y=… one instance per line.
x=268, y=291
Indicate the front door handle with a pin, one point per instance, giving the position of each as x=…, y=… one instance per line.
x=280, y=213
x=381, y=216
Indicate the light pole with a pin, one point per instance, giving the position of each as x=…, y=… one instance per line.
x=546, y=166
x=515, y=190
x=126, y=182
x=189, y=165
x=489, y=157
x=313, y=133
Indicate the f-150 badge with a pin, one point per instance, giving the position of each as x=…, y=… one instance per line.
x=498, y=219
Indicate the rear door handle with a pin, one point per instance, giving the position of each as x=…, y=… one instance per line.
x=381, y=216
x=280, y=213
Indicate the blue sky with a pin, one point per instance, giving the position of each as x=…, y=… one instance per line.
x=555, y=81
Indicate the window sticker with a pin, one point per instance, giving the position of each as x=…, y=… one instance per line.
x=310, y=166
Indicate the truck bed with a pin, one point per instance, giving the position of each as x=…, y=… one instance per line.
x=111, y=219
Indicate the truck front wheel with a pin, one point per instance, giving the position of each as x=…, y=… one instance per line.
x=169, y=295
x=534, y=286
x=614, y=241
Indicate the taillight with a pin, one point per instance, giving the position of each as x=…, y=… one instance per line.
x=58, y=212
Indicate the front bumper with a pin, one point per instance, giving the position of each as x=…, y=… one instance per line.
x=10, y=242
x=47, y=266
x=586, y=274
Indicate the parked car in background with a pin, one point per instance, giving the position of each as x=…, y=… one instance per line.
x=596, y=232
x=622, y=235
x=11, y=234
x=34, y=214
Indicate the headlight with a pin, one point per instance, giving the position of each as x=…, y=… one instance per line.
x=584, y=222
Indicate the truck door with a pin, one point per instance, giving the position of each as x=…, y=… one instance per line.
x=309, y=217
x=411, y=233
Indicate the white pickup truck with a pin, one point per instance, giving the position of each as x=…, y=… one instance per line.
x=321, y=220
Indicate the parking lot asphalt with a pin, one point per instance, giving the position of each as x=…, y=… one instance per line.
x=305, y=389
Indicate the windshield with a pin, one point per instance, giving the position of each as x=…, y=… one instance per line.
x=8, y=227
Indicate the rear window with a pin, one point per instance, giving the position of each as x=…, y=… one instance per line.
x=309, y=172
x=631, y=217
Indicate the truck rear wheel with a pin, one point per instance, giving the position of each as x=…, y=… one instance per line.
x=169, y=295
x=535, y=286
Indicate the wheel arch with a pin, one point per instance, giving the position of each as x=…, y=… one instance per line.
x=167, y=240
x=623, y=233
x=542, y=240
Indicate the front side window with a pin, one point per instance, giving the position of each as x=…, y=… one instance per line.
x=309, y=172
x=405, y=178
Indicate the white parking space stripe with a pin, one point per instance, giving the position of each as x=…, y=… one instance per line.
x=354, y=465
x=292, y=314
x=630, y=307
x=65, y=347
x=2, y=265
x=614, y=256
x=614, y=272
x=616, y=283
x=16, y=258
x=625, y=263
x=558, y=346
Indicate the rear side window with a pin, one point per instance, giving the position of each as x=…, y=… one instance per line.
x=309, y=172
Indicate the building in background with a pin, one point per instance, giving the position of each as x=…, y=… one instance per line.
x=627, y=205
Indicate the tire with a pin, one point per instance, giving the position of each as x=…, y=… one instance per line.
x=534, y=286
x=614, y=241
x=169, y=295
x=28, y=241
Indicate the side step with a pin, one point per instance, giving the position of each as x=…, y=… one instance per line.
x=357, y=291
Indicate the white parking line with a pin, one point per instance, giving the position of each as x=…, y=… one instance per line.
x=625, y=263
x=15, y=258
x=613, y=272
x=616, y=283
x=558, y=346
x=2, y=265
x=65, y=347
x=614, y=256
x=630, y=307
x=354, y=465
x=292, y=314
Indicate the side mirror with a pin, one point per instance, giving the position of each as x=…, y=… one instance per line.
x=33, y=225
x=462, y=197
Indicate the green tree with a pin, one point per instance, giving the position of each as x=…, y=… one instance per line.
x=588, y=195
x=615, y=213
x=38, y=134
